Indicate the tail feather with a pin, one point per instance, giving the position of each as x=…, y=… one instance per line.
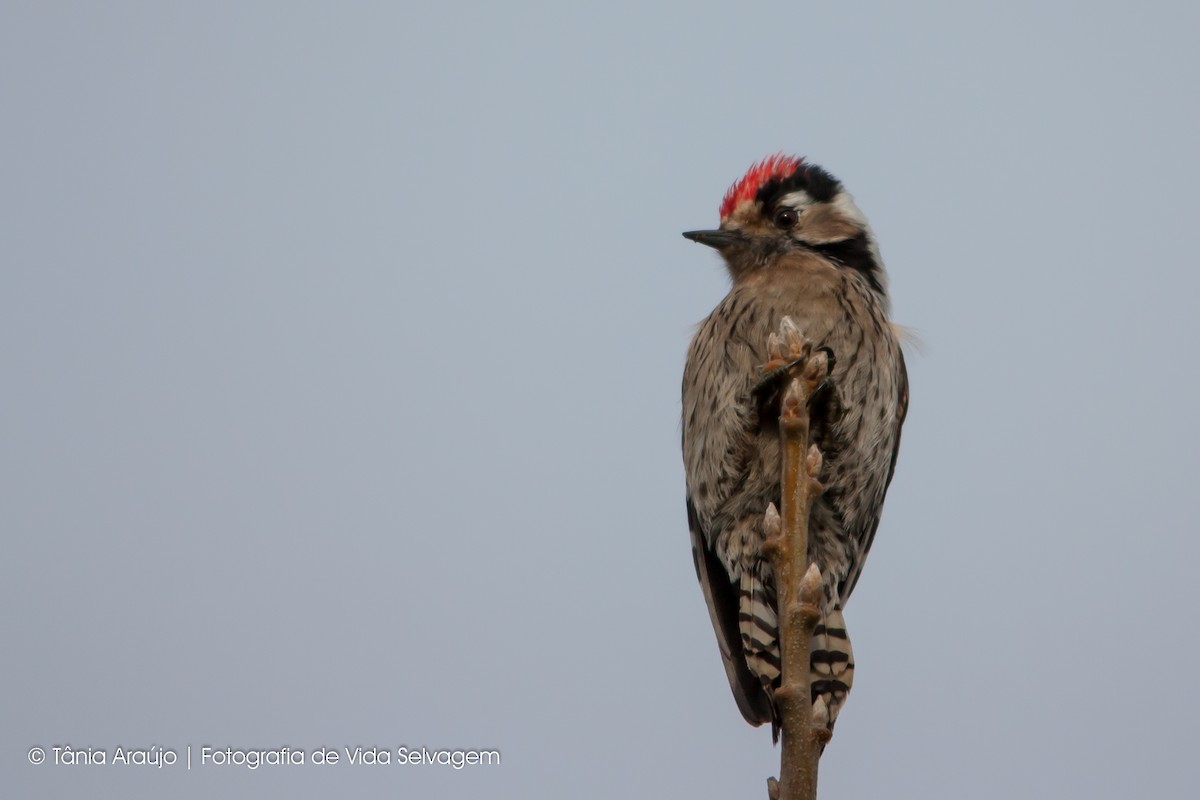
x=831, y=661
x=759, y=627
x=831, y=673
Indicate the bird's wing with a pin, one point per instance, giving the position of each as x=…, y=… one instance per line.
x=868, y=536
x=901, y=413
x=722, y=599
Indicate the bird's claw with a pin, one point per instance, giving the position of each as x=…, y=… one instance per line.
x=791, y=355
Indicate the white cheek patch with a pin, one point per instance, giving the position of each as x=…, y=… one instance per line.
x=844, y=203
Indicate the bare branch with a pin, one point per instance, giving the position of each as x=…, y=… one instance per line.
x=797, y=583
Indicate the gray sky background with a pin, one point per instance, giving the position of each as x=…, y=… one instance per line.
x=341, y=348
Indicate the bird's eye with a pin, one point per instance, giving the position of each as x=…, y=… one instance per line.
x=786, y=217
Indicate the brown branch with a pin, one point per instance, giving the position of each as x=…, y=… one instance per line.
x=798, y=589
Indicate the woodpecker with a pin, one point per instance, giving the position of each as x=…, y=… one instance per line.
x=795, y=245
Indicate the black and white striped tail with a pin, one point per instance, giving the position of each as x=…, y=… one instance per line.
x=831, y=669
x=759, y=626
x=831, y=672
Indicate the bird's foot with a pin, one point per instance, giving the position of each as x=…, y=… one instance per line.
x=790, y=355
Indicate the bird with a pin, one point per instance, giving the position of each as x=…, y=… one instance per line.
x=795, y=245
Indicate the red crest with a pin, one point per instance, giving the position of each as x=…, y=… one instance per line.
x=771, y=167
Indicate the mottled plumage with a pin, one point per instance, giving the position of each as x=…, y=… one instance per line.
x=795, y=245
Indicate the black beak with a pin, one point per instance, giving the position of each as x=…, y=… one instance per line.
x=718, y=239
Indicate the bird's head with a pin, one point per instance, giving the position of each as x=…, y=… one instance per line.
x=782, y=205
